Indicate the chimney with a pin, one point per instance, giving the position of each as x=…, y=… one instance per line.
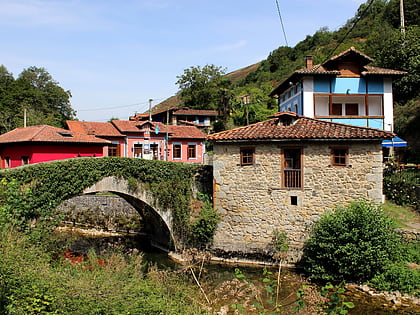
x=309, y=62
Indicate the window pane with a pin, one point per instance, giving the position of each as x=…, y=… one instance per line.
x=191, y=151
x=352, y=109
x=113, y=150
x=247, y=156
x=176, y=151
x=138, y=150
x=339, y=157
x=337, y=109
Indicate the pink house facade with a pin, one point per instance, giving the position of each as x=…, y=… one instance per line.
x=44, y=143
x=148, y=140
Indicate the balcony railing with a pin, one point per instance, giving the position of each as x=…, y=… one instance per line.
x=292, y=178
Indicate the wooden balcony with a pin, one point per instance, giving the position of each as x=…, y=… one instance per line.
x=292, y=178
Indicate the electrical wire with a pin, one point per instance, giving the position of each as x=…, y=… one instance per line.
x=114, y=107
x=281, y=22
x=349, y=31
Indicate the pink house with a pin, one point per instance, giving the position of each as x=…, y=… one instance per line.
x=46, y=143
x=154, y=140
x=148, y=140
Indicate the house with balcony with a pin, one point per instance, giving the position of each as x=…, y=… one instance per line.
x=343, y=89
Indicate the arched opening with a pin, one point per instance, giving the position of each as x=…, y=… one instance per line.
x=131, y=215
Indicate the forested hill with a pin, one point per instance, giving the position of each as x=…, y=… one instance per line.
x=374, y=30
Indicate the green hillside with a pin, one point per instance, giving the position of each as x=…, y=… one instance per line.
x=374, y=30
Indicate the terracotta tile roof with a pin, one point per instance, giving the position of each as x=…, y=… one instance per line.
x=301, y=128
x=179, y=132
x=45, y=133
x=94, y=128
x=188, y=132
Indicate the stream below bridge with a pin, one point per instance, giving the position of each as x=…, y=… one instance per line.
x=80, y=242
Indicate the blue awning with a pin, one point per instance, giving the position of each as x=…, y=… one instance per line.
x=395, y=142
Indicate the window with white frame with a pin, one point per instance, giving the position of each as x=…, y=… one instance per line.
x=176, y=151
x=192, y=151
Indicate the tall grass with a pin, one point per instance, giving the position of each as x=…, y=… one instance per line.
x=33, y=281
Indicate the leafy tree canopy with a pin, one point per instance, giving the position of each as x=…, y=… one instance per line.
x=37, y=93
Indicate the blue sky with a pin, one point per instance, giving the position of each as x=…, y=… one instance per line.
x=116, y=55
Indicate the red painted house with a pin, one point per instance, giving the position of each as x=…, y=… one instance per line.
x=46, y=143
x=104, y=130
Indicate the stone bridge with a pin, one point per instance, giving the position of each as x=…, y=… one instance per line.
x=159, y=222
x=163, y=193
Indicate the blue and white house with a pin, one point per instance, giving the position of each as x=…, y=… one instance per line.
x=344, y=89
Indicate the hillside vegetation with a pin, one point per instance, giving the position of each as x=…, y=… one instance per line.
x=374, y=30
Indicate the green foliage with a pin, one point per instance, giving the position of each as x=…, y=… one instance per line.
x=202, y=230
x=33, y=283
x=200, y=86
x=398, y=277
x=335, y=304
x=401, y=52
x=400, y=187
x=36, y=92
x=51, y=183
x=353, y=243
x=280, y=241
x=15, y=207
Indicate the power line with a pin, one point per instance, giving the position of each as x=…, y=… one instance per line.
x=114, y=107
x=281, y=22
x=350, y=30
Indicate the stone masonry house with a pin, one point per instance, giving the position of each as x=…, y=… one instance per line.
x=283, y=173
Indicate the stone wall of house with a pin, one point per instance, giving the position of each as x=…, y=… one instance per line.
x=105, y=212
x=253, y=204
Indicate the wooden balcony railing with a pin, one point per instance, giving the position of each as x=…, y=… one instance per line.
x=292, y=178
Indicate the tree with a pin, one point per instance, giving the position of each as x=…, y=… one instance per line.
x=401, y=52
x=201, y=88
x=37, y=93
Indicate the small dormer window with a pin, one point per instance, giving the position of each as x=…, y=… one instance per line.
x=65, y=134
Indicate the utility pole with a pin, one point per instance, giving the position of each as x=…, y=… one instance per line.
x=24, y=117
x=402, y=17
x=150, y=109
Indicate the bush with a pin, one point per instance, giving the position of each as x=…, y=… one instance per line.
x=398, y=277
x=202, y=230
x=401, y=187
x=353, y=243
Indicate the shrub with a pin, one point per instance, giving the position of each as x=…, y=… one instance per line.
x=202, y=230
x=353, y=243
x=401, y=187
x=398, y=277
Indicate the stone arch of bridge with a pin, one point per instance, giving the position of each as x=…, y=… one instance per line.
x=158, y=222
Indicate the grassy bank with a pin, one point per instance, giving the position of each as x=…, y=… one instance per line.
x=35, y=282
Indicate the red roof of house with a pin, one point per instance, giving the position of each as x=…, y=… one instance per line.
x=188, y=132
x=104, y=129
x=45, y=133
x=300, y=128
